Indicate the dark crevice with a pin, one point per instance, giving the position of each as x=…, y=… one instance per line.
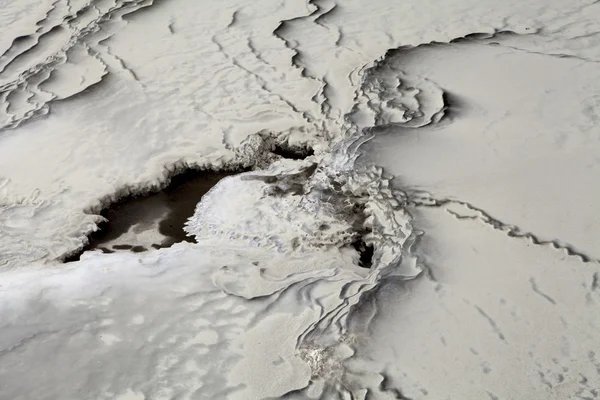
x=159, y=214
x=365, y=252
x=291, y=152
x=138, y=249
x=510, y=230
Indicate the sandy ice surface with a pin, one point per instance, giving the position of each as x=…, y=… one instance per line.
x=485, y=277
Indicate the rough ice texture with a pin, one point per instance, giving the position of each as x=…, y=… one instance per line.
x=504, y=191
x=491, y=138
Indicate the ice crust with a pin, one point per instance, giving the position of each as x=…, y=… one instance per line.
x=484, y=280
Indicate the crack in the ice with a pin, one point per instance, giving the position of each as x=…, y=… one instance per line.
x=290, y=46
x=324, y=14
x=23, y=342
x=540, y=53
x=122, y=64
x=509, y=229
x=263, y=84
x=316, y=14
x=256, y=53
x=537, y=290
x=492, y=323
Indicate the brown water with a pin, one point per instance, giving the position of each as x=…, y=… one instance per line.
x=155, y=220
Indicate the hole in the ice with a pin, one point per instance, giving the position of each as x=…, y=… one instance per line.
x=293, y=153
x=156, y=220
x=365, y=252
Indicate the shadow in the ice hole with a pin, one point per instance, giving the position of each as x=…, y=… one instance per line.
x=294, y=153
x=365, y=252
x=139, y=222
x=165, y=212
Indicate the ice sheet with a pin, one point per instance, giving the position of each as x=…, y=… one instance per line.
x=491, y=137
